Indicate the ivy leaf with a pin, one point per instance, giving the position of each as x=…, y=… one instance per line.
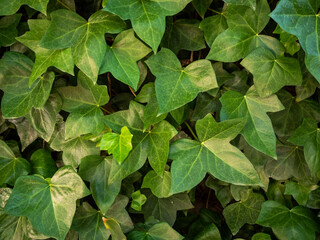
x=8, y=29
x=258, y=130
x=153, y=144
x=250, y=3
x=308, y=136
x=299, y=192
x=165, y=209
x=119, y=145
x=193, y=159
x=267, y=69
x=114, y=227
x=84, y=101
x=147, y=18
x=86, y=39
x=44, y=119
x=294, y=16
x=175, y=86
x=11, y=167
x=19, y=98
x=52, y=217
x=148, y=95
x=96, y=170
x=138, y=199
x=159, y=231
x=212, y=26
x=201, y=6
x=237, y=214
x=183, y=34
x=297, y=223
x=43, y=164
x=243, y=34
x=61, y=59
x=159, y=185
x=9, y=7
x=289, y=41
x=290, y=163
x=121, y=58
x=261, y=236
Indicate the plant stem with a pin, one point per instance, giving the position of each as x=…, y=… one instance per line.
x=190, y=129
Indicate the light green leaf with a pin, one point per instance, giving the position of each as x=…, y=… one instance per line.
x=258, y=130
x=175, y=86
x=44, y=119
x=159, y=231
x=147, y=17
x=8, y=29
x=83, y=102
x=293, y=16
x=213, y=153
x=159, y=185
x=42, y=163
x=270, y=72
x=11, y=167
x=9, y=7
x=243, y=34
x=52, y=205
x=261, y=236
x=121, y=58
x=19, y=98
x=249, y=3
x=86, y=39
x=96, y=170
x=153, y=144
x=295, y=224
x=61, y=58
x=183, y=34
x=165, y=209
x=119, y=145
x=289, y=41
x=308, y=136
x=138, y=199
x=237, y=214
x=114, y=227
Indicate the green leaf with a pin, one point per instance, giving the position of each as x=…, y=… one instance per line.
x=159, y=185
x=165, y=209
x=270, y=72
x=201, y=6
x=86, y=39
x=121, y=58
x=114, y=227
x=249, y=3
x=119, y=145
x=19, y=98
x=193, y=159
x=299, y=192
x=209, y=232
x=290, y=163
x=138, y=199
x=243, y=34
x=147, y=17
x=159, y=231
x=153, y=144
x=313, y=63
x=293, y=17
x=11, y=167
x=212, y=26
x=183, y=34
x=261, y=236
x=175, y=86
x=258, y=130
x=237, y=214
x=297, y=223
x=83, y=102
x=52, y=204
x=44, y=119
x=8, y=29
x=96, y=170
x=43, y=164
x=289, y=41
x=308, y=136
x=9, y=7
x=61, y=59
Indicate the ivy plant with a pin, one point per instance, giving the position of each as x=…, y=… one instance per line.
x=153, y=119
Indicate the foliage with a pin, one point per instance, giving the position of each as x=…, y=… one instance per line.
x=176, y=119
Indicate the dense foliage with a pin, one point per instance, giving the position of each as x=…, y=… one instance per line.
x=159, y=119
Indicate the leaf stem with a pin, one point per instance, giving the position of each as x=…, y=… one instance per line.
x=105, y=110
x=66, y=6
x=190, y=129
x=132, y=92
x=212, y=10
